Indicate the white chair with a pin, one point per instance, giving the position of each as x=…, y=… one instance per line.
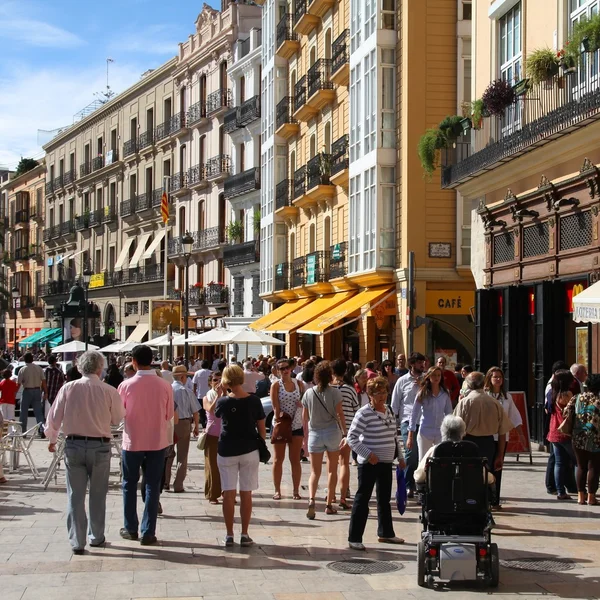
x=57, y=458
x=16, y=442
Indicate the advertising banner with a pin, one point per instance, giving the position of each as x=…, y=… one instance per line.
x=97, y=280
x=517, y=444
x=162, y=314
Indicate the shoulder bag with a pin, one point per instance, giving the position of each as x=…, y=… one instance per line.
x=568, y=413
x=282, y=430
x=263, y=452
x=201, y=440
x=334, y=416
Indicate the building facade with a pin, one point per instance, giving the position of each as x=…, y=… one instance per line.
x=532, y=172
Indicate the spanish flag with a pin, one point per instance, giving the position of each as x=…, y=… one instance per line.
x=164, y=208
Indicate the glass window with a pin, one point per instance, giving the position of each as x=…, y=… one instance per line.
x=388, y=113
x=467, y=10
x=388, y=14
x=511, y=57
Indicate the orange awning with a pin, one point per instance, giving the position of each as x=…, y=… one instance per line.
x=279, y=313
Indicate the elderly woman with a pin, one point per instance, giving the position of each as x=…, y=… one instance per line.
x=586, y=440
x=373, y=436
x=242, y=421
x=360, y=385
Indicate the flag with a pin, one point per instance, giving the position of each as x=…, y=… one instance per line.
x=164, y=207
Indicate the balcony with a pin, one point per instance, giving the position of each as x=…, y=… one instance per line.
x=339, y=162
x=547, y=111
x=216, y=293
x=340, y=59
x=69, y=178
x=286, y=125
x=317, y=268
x=304, y=22
x=298, y=271
x=237, y=255
x=283, y=199
x=157, y=197
x=129, y=148
x=145, y=274
x=22, y=253
x=300, y=182
x=196, y=114
x=146, y=140
x=302, y=112
x=320, y=91
x=47, y=234
x=318, y=170
x=109, y=214
x=282, y=277
x=49, y=189
x=55, y=232
x=196, y=177
x=242, y=183
x=82, y=222
x=58, y=182
x=67, y=228
x=179, y=184
x=55, y=288
x=96, y=217
x=249, y=111
x=85, y=169
x=22, y=217
x=218, y=167
x=203, y=240
x=127, y=208
x=218, y=102
x=143, y=202
x=338, y=261
x=98, y=163
x=287, y=41
x=171, y=126
x=230, y=121
x=320, y=7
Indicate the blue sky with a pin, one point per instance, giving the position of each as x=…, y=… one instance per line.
x=53, y=58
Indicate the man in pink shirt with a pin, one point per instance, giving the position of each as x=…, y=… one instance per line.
x=148, y=401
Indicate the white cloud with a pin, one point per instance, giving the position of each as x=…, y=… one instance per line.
x=47, y=99
x=153, y=39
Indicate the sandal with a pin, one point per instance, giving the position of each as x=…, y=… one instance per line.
x=277, y=496
x=3, y=480
x=297, y=496
x=213, y=502
x=344, y=505
x=311, y=513
x=330, y=510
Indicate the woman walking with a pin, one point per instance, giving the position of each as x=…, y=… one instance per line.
x=326, y=433
x=494, y=386
x=286, y=394
x=387, y=371
x=360, y=385
x=373, y=436
x=242, y=421
x=432, y=405
x=586, y=441
x=212, y=477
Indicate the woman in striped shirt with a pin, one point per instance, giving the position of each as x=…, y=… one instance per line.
x=373, y=437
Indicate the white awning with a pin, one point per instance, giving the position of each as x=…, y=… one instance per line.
x=69, y=256
x=154, y=244
x=124, y=253
x=139, y=333
x=135, y=259
x=586, y=305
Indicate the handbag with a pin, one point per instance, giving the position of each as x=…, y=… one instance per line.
x=401, y=494
x=263, y=452
x=282, y=430
x=202, y=440
x=566, y=427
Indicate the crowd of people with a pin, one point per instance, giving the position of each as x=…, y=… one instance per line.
x=334, y=410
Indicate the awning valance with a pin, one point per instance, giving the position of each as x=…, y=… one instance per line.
x=586, y=305
x=279, y=313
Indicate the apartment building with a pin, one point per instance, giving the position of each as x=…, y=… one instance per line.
x=215, y=182
x=22, y=210
x=103, y=193
x=532, y=172
x=5, y=175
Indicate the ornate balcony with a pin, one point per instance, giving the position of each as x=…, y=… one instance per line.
x=300, y=182
x=179, y=184
x=338, y=263
x=56, y=288
x=249, y=111
x=196, y=177
x=58, y=182
x=242, y=183
x=230, y=120
x=47, y=234
x=96, y=217
x=287, y=41
x=206, y=239
x=218, y=167
x=55, y=232
x=143, y=201
x=298, y=271
x=318, y=170
x=317, y=268
x=284, y=206
x=82, y=222
x=129, y=148
x=241, y=254
x=145, y=140
x=97, y=163
x=286, y=125
x=340, y=59
x=339, y=161
x=85, y=169
x=49, y=189
x=127, y=208
x=282, y=277
x=216, y=293
x=109, y=214
x=218, y=102
x=304, y=22
x=196, y=114
x=320, y=91
x=170, y=127
x=67, y=228
x=302, y=112
x=69, y=178
x=157, y=197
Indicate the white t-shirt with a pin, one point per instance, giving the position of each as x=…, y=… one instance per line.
x=250, y=380
x=201, y=382
x=167, y=375
x=510, y=408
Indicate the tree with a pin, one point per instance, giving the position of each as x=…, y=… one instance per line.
x=25, y=164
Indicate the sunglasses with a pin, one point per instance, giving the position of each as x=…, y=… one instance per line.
x=216, y=379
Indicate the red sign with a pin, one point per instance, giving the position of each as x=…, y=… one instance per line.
x=573, y=288
x=517, y=444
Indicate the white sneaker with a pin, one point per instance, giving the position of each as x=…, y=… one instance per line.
x=357, y=546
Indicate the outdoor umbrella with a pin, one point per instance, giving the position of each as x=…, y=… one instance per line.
x=121, y=347
x=158, y=341
x=249, y=336
x=74, y=346
x=213, y=337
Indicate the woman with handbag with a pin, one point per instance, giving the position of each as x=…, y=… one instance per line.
x=373, y=436
x=326, y=433
x=286, y=395
x=561, y=442
x=586, y=440
x=210, y=441
x=242, y=416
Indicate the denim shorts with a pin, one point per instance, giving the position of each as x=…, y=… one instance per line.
x=324, y=440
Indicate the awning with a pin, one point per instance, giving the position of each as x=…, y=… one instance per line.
x=282, y=311
x=139, y=333
x=335, y=315
x=311, y=311
x=135, y=259
x=586, y=305
x=154, y=244
x=32, y=339
x=123, y=254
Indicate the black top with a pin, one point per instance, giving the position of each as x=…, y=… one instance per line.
x=238, y=426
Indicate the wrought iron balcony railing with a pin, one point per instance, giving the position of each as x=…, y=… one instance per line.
x=145, y=140
x=58, y=182
x=317, y=267
x=285, y=31
x=218, y=166
x=56, y=232
x=318, y=170
x=49, y=189
x=82, y=222
x=109, y=214
x=230, y=120
x=318, y=77
x=47, y=234
x=300, y=182
x=169, y=127
x=196, y=112
x=69, y=177
x=282, y=277
x=145, y=274
x=242, y=183
x=56, y=288
x=249, y=111
x=245, y=253
x=157, y=197
x=301, y=10
x=97, y=163
x=96, y=217
x=207, y=238
x=339, y=155
x=127, y=208
x=283, y=193
x=178, y=181
x=67, y=227
x=298, y=271
x=143, y=201
x=300, y=93
x=196, y=175
x=216, y=293
x=129, y=148
x=283, y=112
x=219, y=99
x=85, y=169
x=339, y=51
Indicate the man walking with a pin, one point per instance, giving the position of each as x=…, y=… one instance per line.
x=31, y=377
x=148, y=401
x=403, y=399
x=187, y=407
x=85, y=409
x=55, y=379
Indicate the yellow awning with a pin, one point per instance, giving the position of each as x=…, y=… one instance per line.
x=311, y=311
x=279, y=313
x=335, y=315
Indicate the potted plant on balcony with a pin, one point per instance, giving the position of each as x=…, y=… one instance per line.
x=566, y=59
x=477, y=113
x=450, y=128
x=430, y=144
x=325, y=167
x=235, y=232
x=256, y=220
x=542, y=65
x=585, y=36
x=498, y=96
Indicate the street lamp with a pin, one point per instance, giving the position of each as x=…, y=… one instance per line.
x=187, y=243
x=87, y=275
x=15, y=296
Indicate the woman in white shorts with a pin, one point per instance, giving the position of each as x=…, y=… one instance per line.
x=326, y=433
x=242, y=421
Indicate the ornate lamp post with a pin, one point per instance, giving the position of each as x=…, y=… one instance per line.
x=87, y=275
x=187, y=243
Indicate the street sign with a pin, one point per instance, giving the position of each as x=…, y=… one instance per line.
x=311, y=267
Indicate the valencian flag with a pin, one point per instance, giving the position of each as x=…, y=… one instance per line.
x=164, y=207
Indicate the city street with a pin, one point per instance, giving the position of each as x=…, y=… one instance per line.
x=291, y=556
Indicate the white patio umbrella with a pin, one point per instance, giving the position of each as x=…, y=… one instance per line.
x=74, y=346
x=213, y=337
x=249, y=336
x=157, y=341
x=120, y=347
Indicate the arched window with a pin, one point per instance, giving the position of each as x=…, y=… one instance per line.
x=313, y=145
x=328, y=43
x=313, y=56
x=182, y=228
x=202, y=95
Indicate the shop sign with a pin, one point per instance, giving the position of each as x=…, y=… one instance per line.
x=50, y=261
x=572, y=290
x=449, y=302
x=311, y=266
x=337, y=252
x=279, y=272
x=97, y=280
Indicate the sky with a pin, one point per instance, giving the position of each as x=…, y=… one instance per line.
x=53, y=58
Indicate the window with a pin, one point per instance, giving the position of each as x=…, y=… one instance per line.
x=387, y=237
x=354, y=236
x=355, y=113
x=589, y=70
x=355, y=25
x=369, y=218
x=370, y=101
x=370, y=11
x=388, y=14
x=388, y=113
x=511, y=57
x=467, y=10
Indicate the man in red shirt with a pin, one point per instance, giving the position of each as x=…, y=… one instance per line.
x=8, y=393
x=450, y=380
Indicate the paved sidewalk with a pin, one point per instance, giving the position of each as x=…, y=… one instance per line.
x=289, y=560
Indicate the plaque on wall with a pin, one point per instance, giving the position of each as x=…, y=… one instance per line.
x=440, y=250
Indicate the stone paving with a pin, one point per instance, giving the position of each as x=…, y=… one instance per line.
x=290, y=558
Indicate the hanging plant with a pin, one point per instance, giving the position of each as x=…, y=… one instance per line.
x=430, y=143
x=450, y=128
x=498, y=96
x=542, y=65
x=477, y=113
x=585, y=37
x=566, y=60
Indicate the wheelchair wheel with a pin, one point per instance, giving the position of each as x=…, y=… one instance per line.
x=494, y=565
x=421, y=564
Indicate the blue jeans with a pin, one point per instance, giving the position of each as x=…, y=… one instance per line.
x=86, y=461
x=564, y=457
x=410, y=456
x=33, y=398
x=154, y=469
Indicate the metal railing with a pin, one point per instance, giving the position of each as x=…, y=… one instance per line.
x=109, y=214
x=318, y=169
x=129, y=147
x=298, y=271
x=47, y=234
x=230, y=120
x=216, y=293
x=317, y=267
x=282, y=277
x=69, y=177
x=207, y=238
x=82, y=222
x=178, y=181
x=285, y=31
x=55, y=288
x=143, y=201
x=49, y=188
x=301, y=10
x=318, y=76
x=219, y=99
x=58, y=182
x=169, y=127
x=300, y=93
x=242, y=183
x=339, y=51
x=196, y=174
x=283, y=193
x=249, y=111
x=339, y=155
x=127, y=208
x=145, y=274
x=196, y=112
x=96, y=217
x=67, y=227
x=97, y=163
x=85, y=169
x=146, y=139
x=56, y=232
x=300, y=182
x=241, y=254
x=157, y=197
x=283, y=112
x=218, y=165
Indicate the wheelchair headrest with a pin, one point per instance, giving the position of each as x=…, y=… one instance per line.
x=463, y=449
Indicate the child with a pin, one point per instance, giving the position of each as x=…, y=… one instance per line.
x=8, y=392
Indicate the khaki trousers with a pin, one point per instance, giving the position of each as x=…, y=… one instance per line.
x=212, y=477
x=182, y=447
